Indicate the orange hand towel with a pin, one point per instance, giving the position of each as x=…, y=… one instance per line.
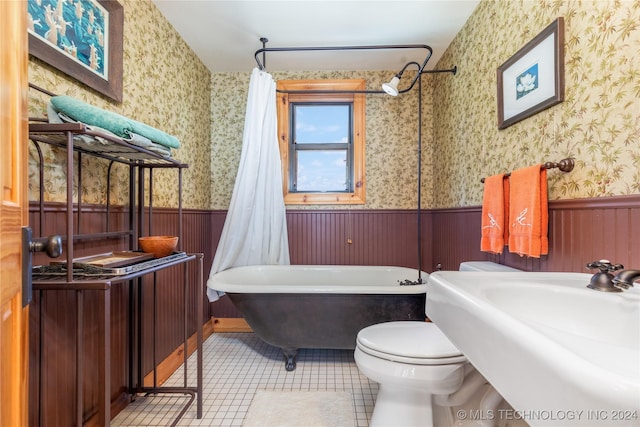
x=495, y=208
x=529, y=212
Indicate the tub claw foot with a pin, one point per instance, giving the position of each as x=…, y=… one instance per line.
x=290, y=361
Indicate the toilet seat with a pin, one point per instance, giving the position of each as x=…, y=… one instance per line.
x=417, y=343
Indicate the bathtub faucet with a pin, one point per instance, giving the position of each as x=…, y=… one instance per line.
x=408, y=282
x=625, y=278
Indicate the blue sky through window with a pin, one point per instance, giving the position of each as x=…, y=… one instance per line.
x=323, y=124
x=322, y=169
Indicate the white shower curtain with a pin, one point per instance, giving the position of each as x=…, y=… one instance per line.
x=255, y=229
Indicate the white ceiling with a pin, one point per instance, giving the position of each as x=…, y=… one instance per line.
x=226, y=34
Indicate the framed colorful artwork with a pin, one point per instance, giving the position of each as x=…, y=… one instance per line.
x=81, y=38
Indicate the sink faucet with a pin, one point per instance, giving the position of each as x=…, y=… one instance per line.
x=625, y=278
x=603, y=280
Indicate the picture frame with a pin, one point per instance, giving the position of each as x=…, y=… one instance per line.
x=86, y=42
x=532, y=80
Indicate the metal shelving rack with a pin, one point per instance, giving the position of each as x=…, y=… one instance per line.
x=139, y=160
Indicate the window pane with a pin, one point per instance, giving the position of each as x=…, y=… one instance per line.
x=321, y=124
x=322, y=170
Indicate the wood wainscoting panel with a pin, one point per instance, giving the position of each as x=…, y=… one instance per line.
x=353, y=237
x=580, y=231
x=455, y=237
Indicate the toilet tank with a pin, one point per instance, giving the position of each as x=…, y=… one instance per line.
x=484, y=266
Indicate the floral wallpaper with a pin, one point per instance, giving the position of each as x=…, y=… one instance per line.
x=598, y=124
x=165, y=86
x=391, y=151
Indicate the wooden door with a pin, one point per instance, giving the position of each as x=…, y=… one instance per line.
x=13, y=212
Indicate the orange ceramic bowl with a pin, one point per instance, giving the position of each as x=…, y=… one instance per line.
x=159, y=246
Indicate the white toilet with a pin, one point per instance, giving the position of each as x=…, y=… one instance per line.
x=416, y=365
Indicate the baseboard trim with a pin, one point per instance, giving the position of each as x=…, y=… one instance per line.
x=228, y=324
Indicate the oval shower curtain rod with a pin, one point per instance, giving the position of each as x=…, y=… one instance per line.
x=420, y=71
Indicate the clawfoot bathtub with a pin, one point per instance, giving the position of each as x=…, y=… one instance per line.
x=320, y=306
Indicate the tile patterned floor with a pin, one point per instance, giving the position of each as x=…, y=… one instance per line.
x=235, y=366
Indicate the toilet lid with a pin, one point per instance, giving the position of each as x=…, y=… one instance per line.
x=409, y=342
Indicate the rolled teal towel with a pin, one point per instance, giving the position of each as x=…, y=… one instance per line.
x=113, y=122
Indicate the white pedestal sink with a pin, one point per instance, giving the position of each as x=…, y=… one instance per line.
x=560, y=353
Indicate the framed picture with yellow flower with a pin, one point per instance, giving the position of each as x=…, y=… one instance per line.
x=81, y=38
x=532, y=80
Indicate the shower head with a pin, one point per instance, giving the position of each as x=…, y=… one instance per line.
x=392, y=87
